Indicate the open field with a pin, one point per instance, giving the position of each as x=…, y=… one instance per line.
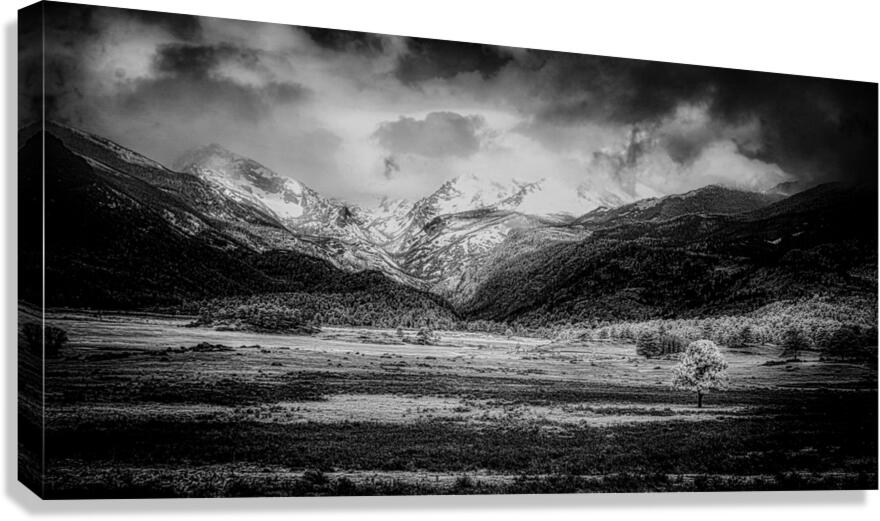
x=136, y=408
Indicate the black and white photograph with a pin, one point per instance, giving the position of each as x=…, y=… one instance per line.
x=259, y=259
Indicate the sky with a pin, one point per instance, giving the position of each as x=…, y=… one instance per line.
x=359, y=116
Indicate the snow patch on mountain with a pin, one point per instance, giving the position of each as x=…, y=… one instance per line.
x=544, y=197
x=326, y=228
x=433, y=243
x=245, y=179
x=470, y=192
x=388, y=216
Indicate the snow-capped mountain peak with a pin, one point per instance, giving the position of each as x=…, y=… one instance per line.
x=331, y=229
x=472, y=192
x=546, y=197
x=244, y=178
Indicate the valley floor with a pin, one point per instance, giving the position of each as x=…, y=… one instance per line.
x=135, y=408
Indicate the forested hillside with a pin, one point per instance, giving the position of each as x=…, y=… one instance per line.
x=693, y=264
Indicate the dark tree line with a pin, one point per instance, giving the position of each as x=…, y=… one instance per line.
x=391, y=309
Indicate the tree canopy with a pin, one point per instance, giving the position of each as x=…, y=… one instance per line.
x=701, y=369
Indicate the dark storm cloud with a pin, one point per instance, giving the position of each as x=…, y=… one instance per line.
x=200, y=60
x=810, y=126
x=197, y=95
x=187, y=81
x=440, y=134
x=72, y=26
x=62, y=91
x=181, y=26
x=579, y=87
x=160, y=81
x=69, y=29
x=345, y=41
x=30, y=69
x=825, y=128
x=52, y=80
x=429, y=59
x=78, y=20
x=684, y=148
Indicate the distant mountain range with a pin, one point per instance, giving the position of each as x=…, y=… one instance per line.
x=125, y=231
x=431, y=244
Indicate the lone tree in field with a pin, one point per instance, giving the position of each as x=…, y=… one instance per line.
x=701, y=368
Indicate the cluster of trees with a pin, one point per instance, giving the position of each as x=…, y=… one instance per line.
x=404, y=310
x=653, y=344
x=357, y=308
x=839, y=327
x=267, y=317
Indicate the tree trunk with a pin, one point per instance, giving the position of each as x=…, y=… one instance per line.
x=699, y=399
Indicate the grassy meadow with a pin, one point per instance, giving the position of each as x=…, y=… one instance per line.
x=142, y=406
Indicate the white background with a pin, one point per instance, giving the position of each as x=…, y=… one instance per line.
x=832, y=39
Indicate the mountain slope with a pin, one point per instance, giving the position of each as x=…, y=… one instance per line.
x=296, y=205
x=451, y=248
x=114, y=239
x=462, y=284
x=445, y=237
x=325, y=228
x=712, y=199
x=388, y=217
x=248, y=224
x=545, y=199
x=124, y=231
x=692, y=264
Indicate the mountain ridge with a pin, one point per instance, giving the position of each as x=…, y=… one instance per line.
x=115, y=240
x=690, y=264
x=467, y=242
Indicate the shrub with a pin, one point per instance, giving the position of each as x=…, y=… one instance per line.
x=426, y=336
x=463, y=482
x=315, y=477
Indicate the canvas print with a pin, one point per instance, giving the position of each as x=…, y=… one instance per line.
x=260, y=259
